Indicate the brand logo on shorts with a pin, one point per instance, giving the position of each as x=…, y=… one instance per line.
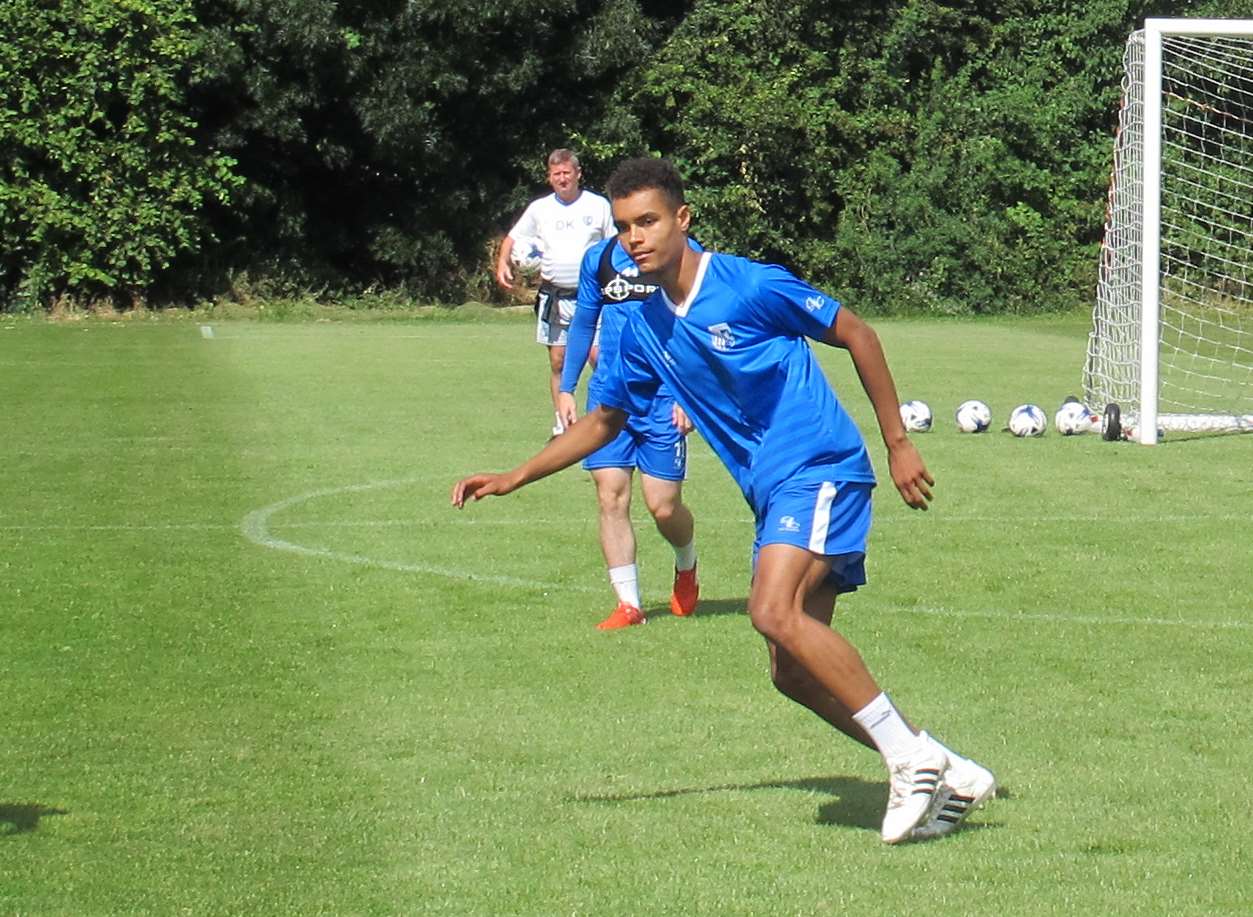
x=813, y=303
x=789, y=524
x=722, y=339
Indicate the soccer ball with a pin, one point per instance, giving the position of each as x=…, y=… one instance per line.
x=527, y=255
x=1075, y=417
x=916, y=416
x=1027, y=420
x=973, y=416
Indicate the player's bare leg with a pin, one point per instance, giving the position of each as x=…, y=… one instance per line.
x=617, y=542
x=784, y=579
x=613, y=495
x=675, y=523
x=795, y=683
x=664, y=500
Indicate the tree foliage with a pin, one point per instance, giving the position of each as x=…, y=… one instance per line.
x=383, y=141
x=942, y=156
x=914, y=156
x=102, y=184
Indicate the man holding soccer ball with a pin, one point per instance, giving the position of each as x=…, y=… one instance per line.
x=565, y=223
x=725, y=336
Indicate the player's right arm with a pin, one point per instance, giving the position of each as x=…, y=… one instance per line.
x=582, y=331
x=579, y=441
x=909, y=473
x=526, y=226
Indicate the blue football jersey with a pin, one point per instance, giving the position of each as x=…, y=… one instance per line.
x=735, y=357
x=610, y=284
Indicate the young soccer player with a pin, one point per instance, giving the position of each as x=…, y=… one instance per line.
x=656, y=443
x=727, y=337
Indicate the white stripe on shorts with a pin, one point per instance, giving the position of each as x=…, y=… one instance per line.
x=822, y=518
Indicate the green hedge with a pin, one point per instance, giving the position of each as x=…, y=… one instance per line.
x=913, y=156
x=102, y=183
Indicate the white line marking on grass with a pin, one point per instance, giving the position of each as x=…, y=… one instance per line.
x=1119, y=519
x=256, y=528
x=1010, y=617
x=123, y=527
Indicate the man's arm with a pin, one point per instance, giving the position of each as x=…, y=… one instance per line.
x=909, y=474
x=579, y=441
x=504, y=271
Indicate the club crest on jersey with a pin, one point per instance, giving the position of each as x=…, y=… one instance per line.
x=789, y=524
x=721, y=336
x=813, y=303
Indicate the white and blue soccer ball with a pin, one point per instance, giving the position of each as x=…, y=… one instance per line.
x=916, y=415
x=1027, y=420
x=527, y=254
x=1075, y=417
x=973, y=416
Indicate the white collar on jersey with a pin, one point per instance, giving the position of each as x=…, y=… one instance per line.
x=680, y=309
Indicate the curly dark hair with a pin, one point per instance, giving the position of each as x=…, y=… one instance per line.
x=643, y=174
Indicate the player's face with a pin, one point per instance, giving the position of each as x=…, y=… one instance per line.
x=651, y=229
x=563, y=177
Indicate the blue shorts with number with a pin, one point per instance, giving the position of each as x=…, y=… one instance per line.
x=652, y=444
x=825, y=517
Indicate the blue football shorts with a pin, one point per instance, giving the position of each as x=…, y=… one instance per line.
x=825, y=517
x=652, y=444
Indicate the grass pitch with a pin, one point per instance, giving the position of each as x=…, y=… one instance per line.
x=254, y=663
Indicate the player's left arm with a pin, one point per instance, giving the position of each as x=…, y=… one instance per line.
x=908, y=471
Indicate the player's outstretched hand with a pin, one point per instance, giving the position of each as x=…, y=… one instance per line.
x=478, y=486
x=910, y=475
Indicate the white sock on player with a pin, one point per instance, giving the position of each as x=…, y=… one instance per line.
x=626, y=583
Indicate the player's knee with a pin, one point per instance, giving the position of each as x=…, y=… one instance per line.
x=774, y=619
x=662, y=510
x=613, y=501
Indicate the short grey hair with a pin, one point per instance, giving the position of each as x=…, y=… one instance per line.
x=563, y=155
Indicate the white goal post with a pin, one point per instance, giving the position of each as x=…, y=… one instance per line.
x=1172, y=328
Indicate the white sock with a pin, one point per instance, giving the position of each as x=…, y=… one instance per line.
x=559, y=427
x=685, y=557
x=888, y=729
x=626, y=583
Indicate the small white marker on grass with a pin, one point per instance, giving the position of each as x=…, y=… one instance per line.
x=206, y=331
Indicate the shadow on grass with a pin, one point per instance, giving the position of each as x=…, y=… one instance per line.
x=858, y=803
x=23, y=817
x=707, y=608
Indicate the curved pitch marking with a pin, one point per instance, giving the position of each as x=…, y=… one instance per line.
x=256, y=528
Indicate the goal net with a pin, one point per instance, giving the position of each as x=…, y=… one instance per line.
x=1172, y=328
